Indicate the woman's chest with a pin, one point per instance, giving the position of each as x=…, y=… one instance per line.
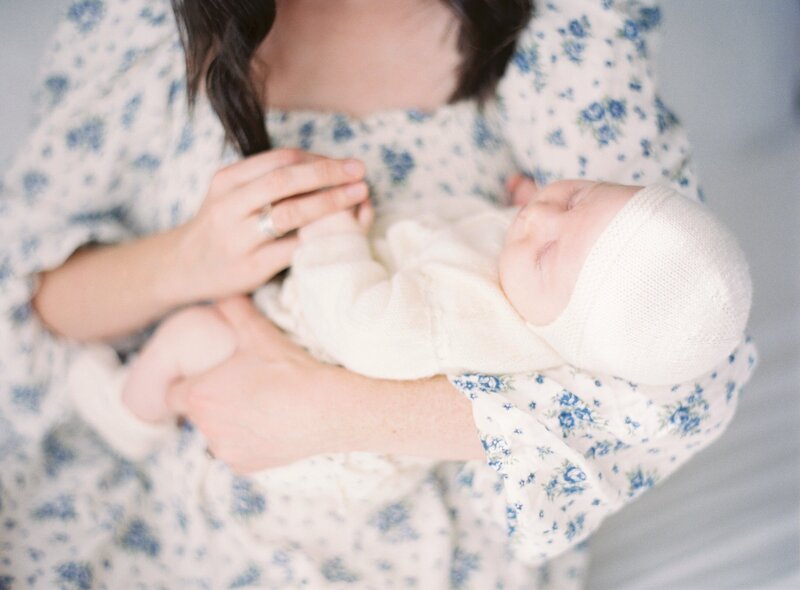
x=409, y=155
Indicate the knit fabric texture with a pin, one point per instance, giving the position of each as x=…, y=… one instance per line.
x=663, y=296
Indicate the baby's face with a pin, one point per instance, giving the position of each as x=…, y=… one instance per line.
x=549, y=240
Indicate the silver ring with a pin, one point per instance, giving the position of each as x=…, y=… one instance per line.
x=266, y=225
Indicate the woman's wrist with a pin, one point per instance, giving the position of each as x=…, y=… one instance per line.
x=426, y=417
x=107, y=291
x=172, y=283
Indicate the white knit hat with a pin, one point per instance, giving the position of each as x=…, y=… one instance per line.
x=663, y=296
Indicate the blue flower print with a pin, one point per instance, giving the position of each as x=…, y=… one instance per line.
x=57, y=87
x=27, y=396
x=578, y=28
x=605, y=447
x=526, y=60
x=594, y=112
x=483, y=137
x=556, y=138
x=186, y=140
x=462, y=566
x=34, y=183
x=90, y=135
x=574, y=527
x=568, y=480
x=86, y=14
x=568, y=399
x=399, y=162
x=665, y=118
x=574, y=414
x=306, y=135
x=249, y=577
x=640, y=481
x=147, y=162
x=418, y=116
x=498, y=452
x=604, y=119
x=342, y=130
x=75, y=575
x=335, y=570
x=246, y=501
x=512, y=513
x=574, y=36
x=630, y=30
x=616, y=108
x=153, y=19
x=649, y=18
x=138, y=537
x=56, y=454
x=393, y=523
x=130, y=110
x=474, y=383
x=62, y=508
x=686, y=416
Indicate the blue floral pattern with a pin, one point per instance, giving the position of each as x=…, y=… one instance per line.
x=115, y=154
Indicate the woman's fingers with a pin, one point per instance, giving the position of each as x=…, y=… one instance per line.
x=249, y=169
x=253, y=330
x=290, y=181
x=272, y=257
x=296, y=212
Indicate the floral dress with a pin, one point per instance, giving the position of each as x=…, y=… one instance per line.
x=115, y=155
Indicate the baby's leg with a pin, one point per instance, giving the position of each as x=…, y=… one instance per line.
x=185, y=344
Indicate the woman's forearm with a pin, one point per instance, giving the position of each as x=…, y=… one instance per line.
x=427, y=418
x=107, y=291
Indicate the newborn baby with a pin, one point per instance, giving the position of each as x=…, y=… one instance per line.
x=640, y=283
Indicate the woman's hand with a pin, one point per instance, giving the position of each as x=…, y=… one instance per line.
x=221, y=251
x=271, y=404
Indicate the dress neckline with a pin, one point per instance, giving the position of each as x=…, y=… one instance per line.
x=442, y=112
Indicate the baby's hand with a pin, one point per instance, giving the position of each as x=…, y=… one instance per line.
x=522, y=189
x=355, y=220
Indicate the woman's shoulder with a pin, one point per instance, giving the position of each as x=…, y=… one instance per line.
x=564, y=33
x=97, y=42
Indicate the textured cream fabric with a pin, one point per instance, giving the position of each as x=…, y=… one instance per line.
x=420, y=296
x=663, y=296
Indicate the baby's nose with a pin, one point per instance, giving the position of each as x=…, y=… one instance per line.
x=542, y=216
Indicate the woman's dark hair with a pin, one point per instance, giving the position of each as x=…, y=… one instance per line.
x=220, y=38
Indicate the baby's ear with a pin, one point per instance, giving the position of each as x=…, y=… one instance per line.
x=524, y=189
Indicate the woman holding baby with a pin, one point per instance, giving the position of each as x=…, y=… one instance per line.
x=126, y=205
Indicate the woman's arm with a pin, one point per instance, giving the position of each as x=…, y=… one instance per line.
x=272, y=404
x=105, y=291
x=108, y=291
x=424, y=418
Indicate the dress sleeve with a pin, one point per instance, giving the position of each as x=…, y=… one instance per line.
x=569, y=448
x=103, y=119
x=579, y=98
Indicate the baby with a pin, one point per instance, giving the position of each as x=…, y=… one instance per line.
x=640, y=283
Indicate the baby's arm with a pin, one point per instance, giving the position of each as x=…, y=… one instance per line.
x=371, y=322
x=188, y=342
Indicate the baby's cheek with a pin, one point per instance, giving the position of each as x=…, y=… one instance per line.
x=514, y=274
